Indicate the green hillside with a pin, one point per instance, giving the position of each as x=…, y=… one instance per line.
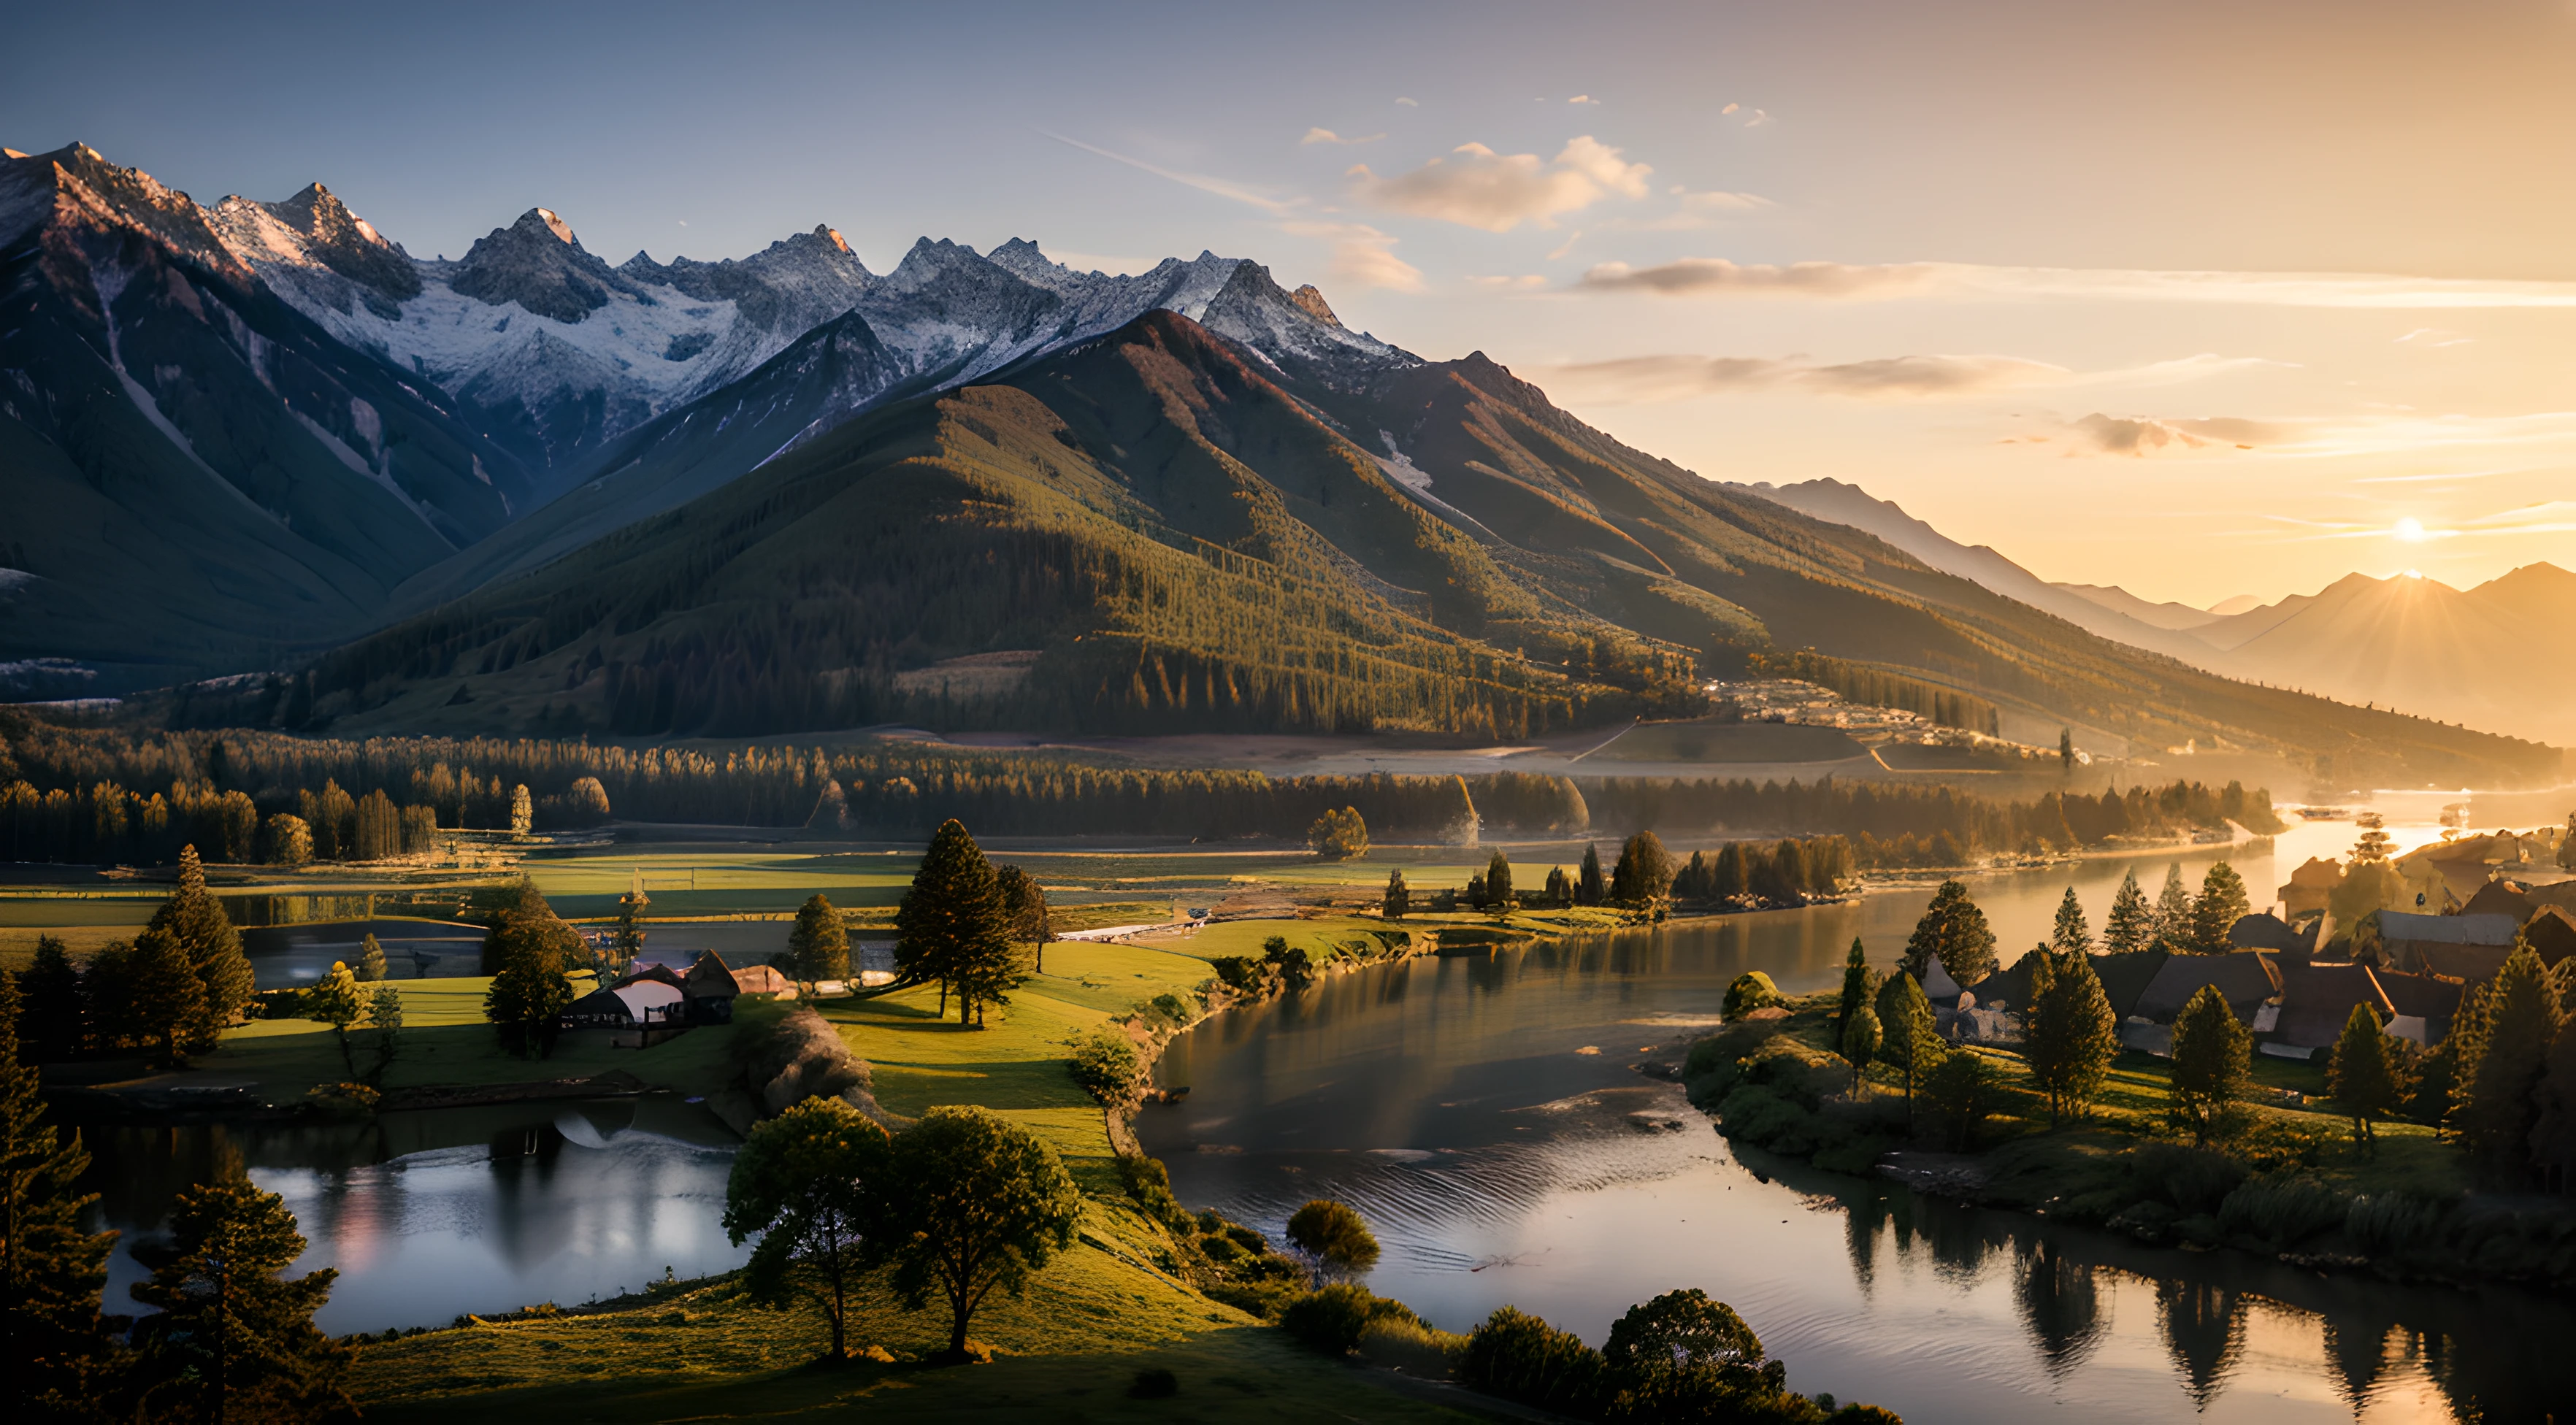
x=1150, y=533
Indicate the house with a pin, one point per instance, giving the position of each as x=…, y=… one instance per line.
x=710, y=989
x=2008, y=986
x=2125, y=977
x=1938, y=987
x=2269, y=932
x=2470, y=948
x=2307, y=889
x=2500, y=897
x=2317, y=1001
x=764, y=980
x=2246, y=978
x=2425, y=1005
x=2552, y=932
x=641, y=1010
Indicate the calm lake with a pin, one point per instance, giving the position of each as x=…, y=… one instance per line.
x=1483, y=1115
x=1451, y=1101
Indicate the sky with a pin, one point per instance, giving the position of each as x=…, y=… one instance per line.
x=2200, y=299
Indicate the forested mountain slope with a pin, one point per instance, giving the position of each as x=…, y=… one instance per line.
x=1160, y=530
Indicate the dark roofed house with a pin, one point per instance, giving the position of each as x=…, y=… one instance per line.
x=2247, y=978
x=2500, y=897
x=2007, y=988
x=2125, y=977
x=2268, y=932
x=2551, y=932
x=2317, y=1001
x=2465, y=947
x=2425, y=1005
x=711, y=990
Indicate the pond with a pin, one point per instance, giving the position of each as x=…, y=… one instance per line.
x=1483, y=1114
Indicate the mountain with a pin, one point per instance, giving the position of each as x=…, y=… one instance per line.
x=2175, y=617
x=1839, y=503
x=2491, y=657
x=198, y=476
x=1165, y=528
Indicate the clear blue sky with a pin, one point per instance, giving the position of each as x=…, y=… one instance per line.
x=1622, y=152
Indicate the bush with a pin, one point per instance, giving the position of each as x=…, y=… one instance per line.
x=2189, y=1180
x=1149, y=1184
x=1106, y=1067
x=2392, y=1222
x=2282, y=1211
x=1331, y=1320
x=1411, y=1347
x=1520, y=1357
x=342, y=1100
x=1155, y=1383
x=1961, y=1094
x=1752, y=990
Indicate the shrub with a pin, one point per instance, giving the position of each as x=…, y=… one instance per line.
x=1155, y=1383
x=1106, y=1067
x=1411, y=1347
x=1752, y=990
x=2282, y=1211
x=1520, y=1357
x=2189, y=1180
x=1149, y=1184
x=2393, y=1221
x=1332, y=1319
x=1961, y=1093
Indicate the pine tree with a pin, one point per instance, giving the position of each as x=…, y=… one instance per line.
x=2222, y=903
x=2131, y=925
x=527, y=951
x=1498, y=884
x=1399, y=897
x=371, y=959
x=58, y=1355
x=1910, y=1038
x=385, y=1016
x=2069, y=1035
x=2173, y=911
x=950, y=927
x=2210, y=1064
x=337, y=1001
x=164, y=1001
x=1588, y=889
x=523, y=812
x=48, y=1023
x=1858, y=984
x=2362, y=1076
x=2553, y=1132
x=2493, y=1103
x=1024, y=905
x=628, y=940
x=1861, y=1040
x=819, y=944
x=233, y=1340
x=213, y=949
x=2072, y=935
x=1644, y=872
x=1953, y=930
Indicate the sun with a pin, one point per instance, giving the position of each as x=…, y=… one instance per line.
x=2411, y=530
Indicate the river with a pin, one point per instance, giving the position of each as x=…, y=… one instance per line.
x=1483, y=1114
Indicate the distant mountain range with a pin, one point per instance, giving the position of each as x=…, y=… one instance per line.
x=2492, y=657
x=526, y=490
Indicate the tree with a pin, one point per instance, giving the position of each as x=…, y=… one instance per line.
x=2131, y=926
x=2066, y=749
x=233, y=1340
x=1588, y=889
x=2493, y=1110
x=1857, y=986
x=528, y=926
x=529, y=992
x=1498, y=884
x=213, y=950
x=2362, y=1076
x=1953, y=931
x=1399, y=897
x=1644, y=872
x=163, y=998
x=1332, y=1240
x=982, y=1205
x=1960, y=1091
x=2071, y=935
x=950, y=927
x=523, y=811
x=1560, y=888
x=2173, y=911
x=1684, y=1356
x=2373, y=847
x=1105, y=1065
x=2069, y=1035
x=2553, y=1133
x=290, y=841
x=627, y=941
x=1861, y=1040
x=2222, y=903
x=1024, y=905
x=1338, y=835
x=1909, y=1036
x=385, y=1016
x=57, y=1353
x=812, y=1184
x=2210, y=1064
x=1751, y=990
x=819, y=943
x=337, y=1001
x=48, y=1020
x=371, y=959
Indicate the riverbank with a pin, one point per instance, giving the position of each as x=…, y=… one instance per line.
x=2287, y=1184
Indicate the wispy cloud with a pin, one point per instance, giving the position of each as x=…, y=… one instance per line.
x=1760, y=120
x=1362, y=256
x=1476, y=187
x=1410, y=103
x=1643, y=380
x=1583, y=99
x=1235, y=192
x=1718, y=277
x=2435, y=336
x=1321, y=135
x=1526, y=282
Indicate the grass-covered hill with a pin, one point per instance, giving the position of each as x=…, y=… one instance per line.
x=1160, y=530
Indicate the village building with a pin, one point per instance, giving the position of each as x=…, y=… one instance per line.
x=2469, y=948
x=2304, y=894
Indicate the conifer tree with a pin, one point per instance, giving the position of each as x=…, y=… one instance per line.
x=1588, y=888
x=1024, y=905
x=2069, y=1035
x=1861, y=1040
x=48, y=1022
x=819, y=943
x=58, y=1355
x=371, y=959
x=2493, y=1108
x=1952, y=930
x=523, y=812
x=164, y=1001
x=2362, y=1076
x=2131, y=926
x=628, y=940
x=1910, y=1037
x=337, y=1001
x=233, y=1340
x=1399, y=897
x=2222, y=903
x=1498, y=884
x=2553, y=1132
x=950, y=927
x=1644, y=871
x=212, y=948
x=2173, y=911
x=385, y=1016
x=2072, y=935
x=2210, y=1064
x=528, y=949
x=1858, y=984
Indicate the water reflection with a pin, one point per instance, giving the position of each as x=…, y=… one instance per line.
x=429, y=1215
x=2060, y=1304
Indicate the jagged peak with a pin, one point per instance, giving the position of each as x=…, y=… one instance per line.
x=1310, y=301
x=832, y=235
x=552, y=223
